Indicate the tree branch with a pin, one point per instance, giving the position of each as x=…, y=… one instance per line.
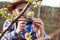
x=22, y=12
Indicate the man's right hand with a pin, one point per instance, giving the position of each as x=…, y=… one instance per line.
x=21, y=25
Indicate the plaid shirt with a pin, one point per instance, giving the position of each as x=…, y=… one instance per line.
x=11, y=34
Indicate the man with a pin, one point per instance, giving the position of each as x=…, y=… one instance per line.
x=19, y=28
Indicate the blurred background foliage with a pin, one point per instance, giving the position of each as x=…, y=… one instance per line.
x=51, y=20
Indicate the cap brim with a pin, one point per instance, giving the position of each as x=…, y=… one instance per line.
x=11, y=5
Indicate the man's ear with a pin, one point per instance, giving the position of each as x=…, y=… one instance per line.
x=14, y=13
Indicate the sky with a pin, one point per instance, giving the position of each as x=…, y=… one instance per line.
x=52, y=3
x=5, y=0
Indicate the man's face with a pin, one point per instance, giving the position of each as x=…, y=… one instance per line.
x=18, y=9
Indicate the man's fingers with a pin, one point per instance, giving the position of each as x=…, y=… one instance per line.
x=37, y=25
x=37, y=20
x=22, y=23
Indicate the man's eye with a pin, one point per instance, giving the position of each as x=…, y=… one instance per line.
x=20, y=9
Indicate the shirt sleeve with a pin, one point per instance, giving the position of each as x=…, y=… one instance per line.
x=45, y=36
x=9, y=34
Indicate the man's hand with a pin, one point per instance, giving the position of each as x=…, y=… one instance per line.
x=38, y=25
x=21, y=25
